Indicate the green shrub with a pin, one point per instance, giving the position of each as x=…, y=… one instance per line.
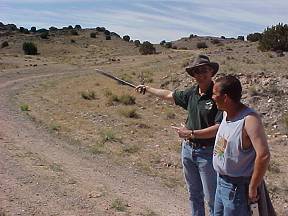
x=119, y=205
x=74, y=32
x=253, y=37
x=93, y=34
x=88, y=95
x=168, y=45
x=137, y=43
x=201, y=45
x=162, y=43
x=126, y=38
x=52, y=28
x=129, y=113
x=70, y=27
x=127, y=99
x=33, y=29
x=29, y=48
x=100, y=29
x=24, y=107
x=4, y=44
x=107, y=32
x=275, y=38
x=241, y=38
x=78, y=27
x=108, y=37
x=44, y=35
x=147, y=48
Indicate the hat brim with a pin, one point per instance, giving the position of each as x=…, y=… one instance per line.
x=190, y=70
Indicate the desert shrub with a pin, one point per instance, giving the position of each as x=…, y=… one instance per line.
x=253, y=37
x=4, y=44
x=108, y=37
x=115, y=34
x=215, y=41
x=275, y=38
x=93, y=34
x=108, y=135
x=33, y=29
x=201, y=45
x=21, y=29
x=137, y=43
x=52, y=28
x=44, y=35
x=147, y=48
x=24, y=107
x=192, y=36
x=72, y=41
x=168, y=45
x=163, y=42
x=42, y=30
x=77, y=27
x=129, y=113
x=127, y=99
x=126, y=38
x=223, y=37
x=74, y=32
x=100, y=29
x=107, y=32
x=70, y=27
x=29, y=48
x=241, y=38
x=119, y=205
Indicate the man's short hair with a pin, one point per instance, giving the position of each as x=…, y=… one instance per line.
x=231, y=86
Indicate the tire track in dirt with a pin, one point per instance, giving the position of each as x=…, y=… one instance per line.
x=61, y=179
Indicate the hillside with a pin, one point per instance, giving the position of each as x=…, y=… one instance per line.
x=108, y=131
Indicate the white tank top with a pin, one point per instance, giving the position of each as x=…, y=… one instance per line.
x=229, y=158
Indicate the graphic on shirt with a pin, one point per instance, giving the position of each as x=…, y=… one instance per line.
x=220, y=147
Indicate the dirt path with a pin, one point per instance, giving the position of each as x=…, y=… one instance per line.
x=44, y=175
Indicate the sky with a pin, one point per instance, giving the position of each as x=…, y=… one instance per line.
x=150, y=20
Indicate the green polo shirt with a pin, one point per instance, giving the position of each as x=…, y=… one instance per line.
x=202, y=110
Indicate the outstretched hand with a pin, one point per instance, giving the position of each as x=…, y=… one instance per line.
x=141, y=89
x=182, y=131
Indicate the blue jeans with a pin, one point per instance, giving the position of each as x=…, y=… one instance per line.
x=232, y=196
x=200, y=177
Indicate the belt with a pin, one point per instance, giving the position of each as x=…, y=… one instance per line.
x=197, y=144
x=235, y=180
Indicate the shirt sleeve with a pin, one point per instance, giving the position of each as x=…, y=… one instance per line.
x=219, y=117
x=181, y=98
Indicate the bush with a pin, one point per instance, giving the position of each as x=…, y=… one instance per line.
x=108, y=37
x=42, y=30
x=106, y=32
x=70, y=27
x=100, y=29
x=77, y=27
x=223, y=37
x=275, y=38
x=52, y=28
x=192, y=36
x=126, y=38
x=147, y=48
x=201, y=45
x=29, y=48
x=88, y=95
x=168, y=45
x=93, y=34
x=44, y=35
x=33, y=29
x=73, y=32
x=254, y=37
x=240, y=38
x=137, y=43
x=4, y=44
x=115, y=34
x=163, y=42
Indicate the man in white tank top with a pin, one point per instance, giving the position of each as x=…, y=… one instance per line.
x=241, y=154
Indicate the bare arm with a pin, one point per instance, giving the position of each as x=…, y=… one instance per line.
x=161, y=93
x=205, y=133
x=255, y=131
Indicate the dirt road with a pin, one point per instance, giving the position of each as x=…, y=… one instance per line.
x=42, y=174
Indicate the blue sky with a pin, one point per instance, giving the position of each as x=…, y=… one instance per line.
x=152, y=20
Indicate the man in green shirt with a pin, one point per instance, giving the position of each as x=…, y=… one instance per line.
x=199, y=132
